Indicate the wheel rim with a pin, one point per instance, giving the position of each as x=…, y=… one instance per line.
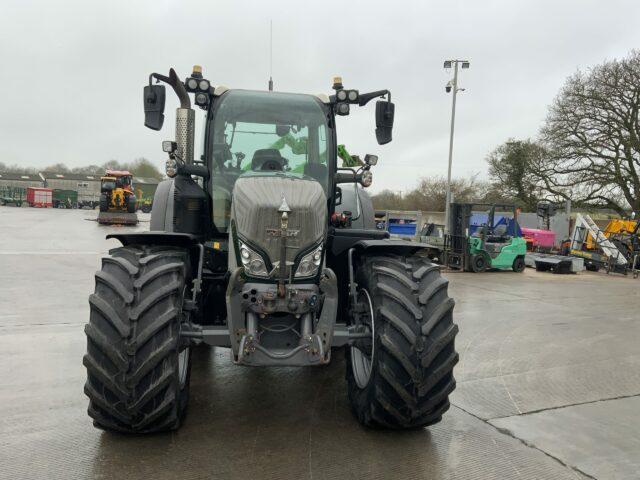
x=361, y=362
x=183, y=367
x=183, y=356
x=479, y=263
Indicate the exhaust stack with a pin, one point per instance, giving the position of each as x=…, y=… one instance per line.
x=185, y=128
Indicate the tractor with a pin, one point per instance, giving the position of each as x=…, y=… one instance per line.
x=263, y=246
x=117, y=199
x=493, y=242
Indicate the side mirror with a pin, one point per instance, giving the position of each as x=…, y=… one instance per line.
x=154, y=96
x=384, y=121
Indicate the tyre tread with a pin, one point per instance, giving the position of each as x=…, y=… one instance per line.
x=133, y=340
x=412, y=374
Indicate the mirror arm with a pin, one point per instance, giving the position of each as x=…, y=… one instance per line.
x=342, y=177
x=177, y=86
x=197, y=170
x=367, y=97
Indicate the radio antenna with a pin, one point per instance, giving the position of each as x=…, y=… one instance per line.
x=271, y=55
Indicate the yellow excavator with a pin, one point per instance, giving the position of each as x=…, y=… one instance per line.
x=117, y=200
x=613, y=228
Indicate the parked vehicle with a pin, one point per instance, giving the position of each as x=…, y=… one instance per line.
x=40, y=197
x=64, y=198
x=12, y=195
x=490, y=241
x=117, y=199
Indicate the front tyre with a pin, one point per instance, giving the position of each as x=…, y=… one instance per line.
x=104, y=202
x=478, y=263
x=131, y=204
x=137, y=369
x=402, y=377
x=518, y=265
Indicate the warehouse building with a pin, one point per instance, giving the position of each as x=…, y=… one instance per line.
x=145, y=187
x=87, y=186
x=20, y=180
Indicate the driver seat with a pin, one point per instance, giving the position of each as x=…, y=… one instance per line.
x=267, y=159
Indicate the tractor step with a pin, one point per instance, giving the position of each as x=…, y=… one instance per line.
x=117, y=218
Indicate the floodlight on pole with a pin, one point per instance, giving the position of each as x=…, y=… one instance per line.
x=452, y=85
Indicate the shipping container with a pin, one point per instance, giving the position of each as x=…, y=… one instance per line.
x=40, y=197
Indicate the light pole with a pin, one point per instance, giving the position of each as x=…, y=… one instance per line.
x=452, y=85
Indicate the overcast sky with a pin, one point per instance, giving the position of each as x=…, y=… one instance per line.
x=72, y=72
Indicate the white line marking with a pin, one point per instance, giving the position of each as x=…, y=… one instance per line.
x=51, y=253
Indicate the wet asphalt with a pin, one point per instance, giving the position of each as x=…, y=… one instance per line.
x=548, y=383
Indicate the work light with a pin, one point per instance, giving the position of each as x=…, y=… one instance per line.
x=343, y=109
x=192, y=84
x=169, y=146
x=202, y=99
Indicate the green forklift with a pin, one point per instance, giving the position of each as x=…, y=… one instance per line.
x=480, y=240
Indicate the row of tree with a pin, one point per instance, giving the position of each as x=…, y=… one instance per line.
x=140, y=167
x=587, y=151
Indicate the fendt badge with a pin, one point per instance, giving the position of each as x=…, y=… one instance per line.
x=276, y=232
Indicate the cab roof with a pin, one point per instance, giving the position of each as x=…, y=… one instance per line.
x=117, y=173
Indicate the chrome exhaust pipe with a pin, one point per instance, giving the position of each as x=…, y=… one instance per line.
x=185, y=131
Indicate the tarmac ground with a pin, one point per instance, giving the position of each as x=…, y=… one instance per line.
x=548, y=383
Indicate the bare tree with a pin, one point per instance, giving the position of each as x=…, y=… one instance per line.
x=592, y=133
x=430, y=194
x=388, y=200
x=513, y=170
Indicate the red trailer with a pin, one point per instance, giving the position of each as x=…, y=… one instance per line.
x=40, y=197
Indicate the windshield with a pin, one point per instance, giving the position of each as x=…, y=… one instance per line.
x=265, y=133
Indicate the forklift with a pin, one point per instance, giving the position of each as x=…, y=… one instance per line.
x=496, y=243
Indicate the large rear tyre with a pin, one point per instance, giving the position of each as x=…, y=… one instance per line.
x=402, y=377
x=137, y=369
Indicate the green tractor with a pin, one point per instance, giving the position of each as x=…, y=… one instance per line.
x=265, y=247
x=495, y=243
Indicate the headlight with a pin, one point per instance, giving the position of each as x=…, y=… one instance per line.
x=367, y=178
x=203, y=85
x=310, y=263
x=253, y=263
x=171, y=167
x=341, y=95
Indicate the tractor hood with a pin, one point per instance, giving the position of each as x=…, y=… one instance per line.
x=255, y=204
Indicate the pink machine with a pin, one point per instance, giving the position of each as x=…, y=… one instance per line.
x=539, y=239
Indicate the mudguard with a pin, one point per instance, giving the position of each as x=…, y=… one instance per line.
x=391, y=245
x=183, y=240
x=162, y=211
